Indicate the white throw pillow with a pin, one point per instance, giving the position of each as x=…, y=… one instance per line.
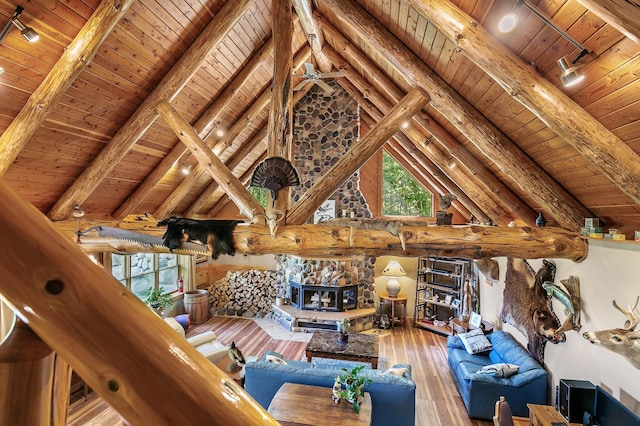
x=274, y=359
x=500, y=370
x=398, y=371
x=475, y=341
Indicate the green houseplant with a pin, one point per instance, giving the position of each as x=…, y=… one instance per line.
x=156, y=300
x=354, y=385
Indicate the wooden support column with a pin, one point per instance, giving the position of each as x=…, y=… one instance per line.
x=73, y=61
x=63, y=294
x=247, y=205
x=145, y=115
x=357, y=156
x=26, y=376
x=280, y=130
x=202, y=124
x=313, y=32
x=442, y=139
x=564, y=208
x=613, y=157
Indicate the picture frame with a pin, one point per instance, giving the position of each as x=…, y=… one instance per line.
x=448, y=299
x=325, y=212
x=455, y=303
x=475, y=320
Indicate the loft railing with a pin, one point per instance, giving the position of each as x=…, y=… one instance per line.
x=125, y=352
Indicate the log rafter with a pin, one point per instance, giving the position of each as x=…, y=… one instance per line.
x=145, y=115
x=350, y=19
x=623, y=15
x=458, y=155
x=73, y=61
x=614, y=158
x=313, y=33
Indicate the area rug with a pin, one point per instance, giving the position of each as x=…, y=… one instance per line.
x=276, y=331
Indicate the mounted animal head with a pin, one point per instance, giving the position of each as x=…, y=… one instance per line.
x=624, y=341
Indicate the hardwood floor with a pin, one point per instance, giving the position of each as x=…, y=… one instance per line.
x=437, y=400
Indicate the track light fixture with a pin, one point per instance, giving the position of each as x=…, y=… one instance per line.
x=27, y=32
x=571, y=74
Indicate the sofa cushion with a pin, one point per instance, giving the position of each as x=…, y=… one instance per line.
x=499, y=370
x=201, y=338
x=475, y=341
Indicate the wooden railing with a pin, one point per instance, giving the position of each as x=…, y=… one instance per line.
x=126, y=353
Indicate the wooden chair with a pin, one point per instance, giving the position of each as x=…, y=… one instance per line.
x=503, y=417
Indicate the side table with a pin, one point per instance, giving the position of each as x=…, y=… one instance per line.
x=401, y=299
x=463, y=326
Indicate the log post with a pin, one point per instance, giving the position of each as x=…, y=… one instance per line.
x=26, y=377
x=247, y=205
x=148, y=374
x=357, y=156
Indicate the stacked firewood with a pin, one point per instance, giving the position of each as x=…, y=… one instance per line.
x=248, y=293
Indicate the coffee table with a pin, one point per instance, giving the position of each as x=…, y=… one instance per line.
x=303, y=405
x=360, y=347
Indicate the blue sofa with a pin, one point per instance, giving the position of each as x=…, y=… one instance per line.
x=393, y=398
x=480, y=392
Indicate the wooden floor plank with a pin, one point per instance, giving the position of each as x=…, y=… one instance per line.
x=437, y=400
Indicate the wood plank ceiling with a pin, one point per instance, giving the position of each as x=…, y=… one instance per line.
x=499, y=124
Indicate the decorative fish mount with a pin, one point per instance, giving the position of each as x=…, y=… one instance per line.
x=274, y=174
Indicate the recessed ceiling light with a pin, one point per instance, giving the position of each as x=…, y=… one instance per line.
x=508, y=23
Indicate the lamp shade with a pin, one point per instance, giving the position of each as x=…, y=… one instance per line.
x=393, y=270
x=570, y=74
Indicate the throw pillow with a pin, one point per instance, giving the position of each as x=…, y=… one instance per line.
x=274, y=359
x=475, y=341
x=398, y=371
x=500, y=370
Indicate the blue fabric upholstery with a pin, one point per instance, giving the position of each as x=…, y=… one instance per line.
x=393, y=398
x=480, y=392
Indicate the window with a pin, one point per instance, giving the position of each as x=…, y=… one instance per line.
x=260, y=194
x=141, y=271
x=402, y=195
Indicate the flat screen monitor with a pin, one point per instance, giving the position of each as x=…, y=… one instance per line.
x=610, y=412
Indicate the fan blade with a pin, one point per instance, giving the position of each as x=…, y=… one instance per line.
x=336, y=74
x=309, y=68
x=324, y=86
x=300, y=85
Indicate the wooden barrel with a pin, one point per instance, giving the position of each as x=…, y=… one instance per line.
x=196, y=304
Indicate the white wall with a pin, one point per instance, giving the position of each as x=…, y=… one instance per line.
x=609, y=272
x=407, y=283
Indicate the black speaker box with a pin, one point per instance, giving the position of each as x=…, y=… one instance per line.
x=575, y=397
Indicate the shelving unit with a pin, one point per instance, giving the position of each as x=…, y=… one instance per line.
x=440, y=291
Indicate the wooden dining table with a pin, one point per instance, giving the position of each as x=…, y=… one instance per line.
x=305, y=405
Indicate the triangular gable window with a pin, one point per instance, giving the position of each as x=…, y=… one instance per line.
x=402, y=195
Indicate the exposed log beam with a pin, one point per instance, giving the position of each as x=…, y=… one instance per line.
x=241, y=124
x=280, y=128
x=255, y=140
x=356, y=156
x=623, y=15
x=202, y=125
x=247, y=205
x=314, y=35
x=63, y=297
x=244, y=179
x=73, y=61
x=457, y=154
x=464, y=184
x=614, y=158
x=402, y=144
x=350, y=18
x=145, y=115
x=256, y=143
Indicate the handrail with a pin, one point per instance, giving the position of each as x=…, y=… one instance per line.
x=125, y=352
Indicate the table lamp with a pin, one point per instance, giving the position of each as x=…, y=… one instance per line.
x=393, y=270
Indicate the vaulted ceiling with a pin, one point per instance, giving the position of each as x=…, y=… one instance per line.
x=80, y=126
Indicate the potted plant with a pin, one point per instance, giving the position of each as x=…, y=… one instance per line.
x=156, y=300
x=354, y=385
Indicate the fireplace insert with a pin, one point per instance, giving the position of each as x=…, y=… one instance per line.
x=324, y=298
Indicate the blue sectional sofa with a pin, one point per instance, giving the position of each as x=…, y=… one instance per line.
x=481, y=391
x=393, y=398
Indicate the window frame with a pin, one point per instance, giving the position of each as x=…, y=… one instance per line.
x=418, y=182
